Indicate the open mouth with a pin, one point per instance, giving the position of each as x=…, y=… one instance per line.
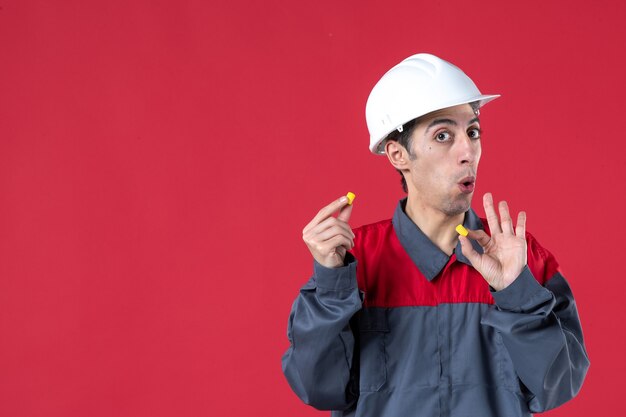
x=467, y=184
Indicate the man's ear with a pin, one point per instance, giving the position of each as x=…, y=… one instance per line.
x=397, y=155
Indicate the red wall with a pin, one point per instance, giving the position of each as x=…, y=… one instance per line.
x=158, y=160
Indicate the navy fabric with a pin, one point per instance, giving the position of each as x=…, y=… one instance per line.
x=523, y=354
x=428, y=258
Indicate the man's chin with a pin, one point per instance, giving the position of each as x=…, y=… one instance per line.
x=460, y=205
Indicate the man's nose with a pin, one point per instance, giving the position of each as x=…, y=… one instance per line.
x=468, y=150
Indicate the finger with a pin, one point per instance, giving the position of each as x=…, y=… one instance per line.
x=336, y=242
x=492, y=217
x=332, y=232
x=345, y=212
x=469, y=251
x=505, y=218
x=330, y=246
x=479, y=236
x=327, y=211
x=520, y=228
x=326, y=224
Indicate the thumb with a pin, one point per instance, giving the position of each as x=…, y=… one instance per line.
x=345, y=212
x=469, y=252
x=480, y=236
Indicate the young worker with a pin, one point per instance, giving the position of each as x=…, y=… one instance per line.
x=407, y=318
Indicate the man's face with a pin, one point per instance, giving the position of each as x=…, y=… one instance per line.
x=445, y=151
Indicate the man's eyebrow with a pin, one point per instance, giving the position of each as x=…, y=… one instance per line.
x=440, y=122
x=449, y=122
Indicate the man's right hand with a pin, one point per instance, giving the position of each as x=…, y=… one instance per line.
x=329, y=237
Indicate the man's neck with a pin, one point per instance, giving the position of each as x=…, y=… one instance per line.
x=436, y=225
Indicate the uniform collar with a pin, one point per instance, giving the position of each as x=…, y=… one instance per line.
x=428, y=258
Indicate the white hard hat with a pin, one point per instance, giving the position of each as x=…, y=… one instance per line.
x=418, y=85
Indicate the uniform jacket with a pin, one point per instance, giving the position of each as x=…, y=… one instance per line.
x=404, y=330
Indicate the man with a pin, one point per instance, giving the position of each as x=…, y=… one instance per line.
x=405, y=317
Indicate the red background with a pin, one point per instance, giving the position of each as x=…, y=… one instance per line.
x=158, y=160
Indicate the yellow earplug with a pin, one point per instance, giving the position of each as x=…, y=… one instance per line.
x=351, y=197
x=461, y=230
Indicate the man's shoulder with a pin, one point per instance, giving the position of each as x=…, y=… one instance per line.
x=370, y=238
x=381, y=226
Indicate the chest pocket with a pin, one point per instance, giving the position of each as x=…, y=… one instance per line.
x=373, y=329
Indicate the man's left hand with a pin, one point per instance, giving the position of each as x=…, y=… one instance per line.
x=504, y=254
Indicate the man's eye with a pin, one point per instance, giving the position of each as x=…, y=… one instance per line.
x=474, y=133
x=442, y=136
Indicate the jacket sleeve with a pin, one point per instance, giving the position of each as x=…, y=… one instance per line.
x=318, y=364
x=541, y=331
